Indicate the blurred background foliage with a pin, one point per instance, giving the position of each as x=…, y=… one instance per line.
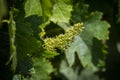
x=111, y=10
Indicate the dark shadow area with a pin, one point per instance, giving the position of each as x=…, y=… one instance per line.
x=113, y=58
x=52, y=30
x=5, y=70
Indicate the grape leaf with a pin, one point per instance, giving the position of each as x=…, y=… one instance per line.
x=88, y=75
x=75, y=74
x=68, y=72
x=83, y=52
x=39, y=7
x=33, y=7
x=25, y=42
x=85, y=44
x=70, y=55
x=47, y=6
x=61, y=12
x=42, y=69
x=80, y=11
x=98, y=28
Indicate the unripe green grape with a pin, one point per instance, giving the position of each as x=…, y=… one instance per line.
x=61, y=41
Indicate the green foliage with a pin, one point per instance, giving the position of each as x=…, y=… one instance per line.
x=61, y=13
x=73, y=74
x=83, y=44
x=33, y=52
x=33, y=8
x=43, y=67
x=41, y=70
x=83, y=52
x=96, y=27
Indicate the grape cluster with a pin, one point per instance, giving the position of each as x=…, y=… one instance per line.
x=61, y=41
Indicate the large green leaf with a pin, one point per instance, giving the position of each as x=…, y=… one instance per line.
x=61, y=11
x=90, y=54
